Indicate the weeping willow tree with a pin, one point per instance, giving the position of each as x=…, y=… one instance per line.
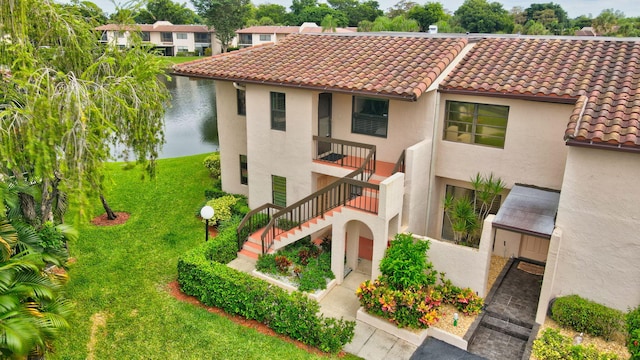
x=66, y=100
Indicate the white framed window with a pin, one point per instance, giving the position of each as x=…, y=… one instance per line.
x=181, y=36
x=473, y=123
x=265, y=37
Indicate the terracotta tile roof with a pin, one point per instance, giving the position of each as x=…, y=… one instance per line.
x=602, y=78
x=156, y=28
x=288, y=30
x=390, y=66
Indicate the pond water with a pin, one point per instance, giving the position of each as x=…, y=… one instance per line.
x=190, y=123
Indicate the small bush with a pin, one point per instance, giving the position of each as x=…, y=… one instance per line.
x=215, y=193
x=212, y=163
x=291, y=314
x=634, y=344
x=267, y=264
x=405, y=264
x=587, y=316
x=222, y=208
x=633, y=319
x=554, y=346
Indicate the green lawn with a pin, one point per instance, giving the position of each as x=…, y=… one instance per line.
x=122, y=272
x=172, y=60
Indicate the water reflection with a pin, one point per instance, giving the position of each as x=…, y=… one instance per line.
x=190, y=123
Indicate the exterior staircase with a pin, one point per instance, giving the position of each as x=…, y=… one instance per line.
x=252, y=248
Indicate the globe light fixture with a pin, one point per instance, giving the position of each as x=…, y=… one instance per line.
x=207, y=213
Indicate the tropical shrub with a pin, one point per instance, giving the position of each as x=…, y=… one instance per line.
x=308, y=267
x=587, y=316
x=464, y=300
x=212, y=163
x=292, y=314
x=633, y=328
x=222, y=208
x=405, y=264
x=554, y=346
x=405, y=293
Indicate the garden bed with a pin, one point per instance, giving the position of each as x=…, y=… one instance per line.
x=284, y=283
x=616, y=346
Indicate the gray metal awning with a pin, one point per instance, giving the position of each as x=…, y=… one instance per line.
x=528, y=210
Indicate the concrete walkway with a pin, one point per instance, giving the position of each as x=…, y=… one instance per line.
x=368, y=342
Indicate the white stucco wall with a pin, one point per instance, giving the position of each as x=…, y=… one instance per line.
x=417, y=182
x=599, y=217
x=464, y=266
x=507, y=243
x=534, y=151
x=232, y=135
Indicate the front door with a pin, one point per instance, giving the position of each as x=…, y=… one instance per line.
x=324, y=122
x=534, y=248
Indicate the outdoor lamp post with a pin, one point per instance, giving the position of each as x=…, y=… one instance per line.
x=207, y=213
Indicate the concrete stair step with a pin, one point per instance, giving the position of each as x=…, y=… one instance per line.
x=247, y=255
x=505, y=327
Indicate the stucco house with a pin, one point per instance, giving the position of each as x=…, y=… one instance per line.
x=258, y=35
x=170, y=39
x=361, y=136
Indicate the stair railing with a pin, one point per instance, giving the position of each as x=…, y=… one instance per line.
x=255, y=220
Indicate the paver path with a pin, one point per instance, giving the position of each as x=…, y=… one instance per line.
x=508, y=317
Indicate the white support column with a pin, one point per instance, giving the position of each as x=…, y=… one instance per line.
x=353, y=242
x=337, y=253
x=546, y=292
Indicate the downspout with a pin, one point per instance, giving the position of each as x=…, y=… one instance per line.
x=239, y=87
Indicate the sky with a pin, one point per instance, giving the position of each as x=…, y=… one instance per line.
x=574, y=8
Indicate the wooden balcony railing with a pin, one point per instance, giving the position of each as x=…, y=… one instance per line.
x=255, y=220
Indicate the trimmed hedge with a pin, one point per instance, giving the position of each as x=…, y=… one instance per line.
x=587, y=316
x=224, y=247
x=291, y=314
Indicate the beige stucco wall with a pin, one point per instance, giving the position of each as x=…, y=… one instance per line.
x=282, y=153
x=599, y=217
x=417, y=182
x=408, y=124
x=534, y=151
x=232, y=135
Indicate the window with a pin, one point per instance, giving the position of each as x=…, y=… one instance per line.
x=145, y=36
x=183, y=49
x=279, y=190
x=244, y=171
x=181, y=36
x=245, y=39
x=120, y=34
x=476, y=123
x=265, y=37
x=459, y=192
x=242, y=103
x=370, y=116
x=166, y=37
x=278, y=113
x=104, y=37
x=202, y=38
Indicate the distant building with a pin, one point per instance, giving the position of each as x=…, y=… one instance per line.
x=257, y=35
x=171, y=39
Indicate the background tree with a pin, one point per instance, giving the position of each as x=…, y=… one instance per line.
x=316, y=14
x=357, y=11
x=275, y=12
x=166, y=10
x=480, y=16
x=225, y=16
x=552, y=16
x=606, y=21
x=400, y=8
x=518, y=15
x=65, y=99
x=89, y=10
x=427, y=14
x=383, y=23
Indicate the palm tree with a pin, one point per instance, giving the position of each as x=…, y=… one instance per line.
x=32, y=309
x=329, y=23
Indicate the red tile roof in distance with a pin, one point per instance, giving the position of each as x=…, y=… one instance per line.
x=376, y=65
x=601, y=77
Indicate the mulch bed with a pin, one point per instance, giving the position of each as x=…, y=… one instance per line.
x=174, y=290
x=102, y=220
